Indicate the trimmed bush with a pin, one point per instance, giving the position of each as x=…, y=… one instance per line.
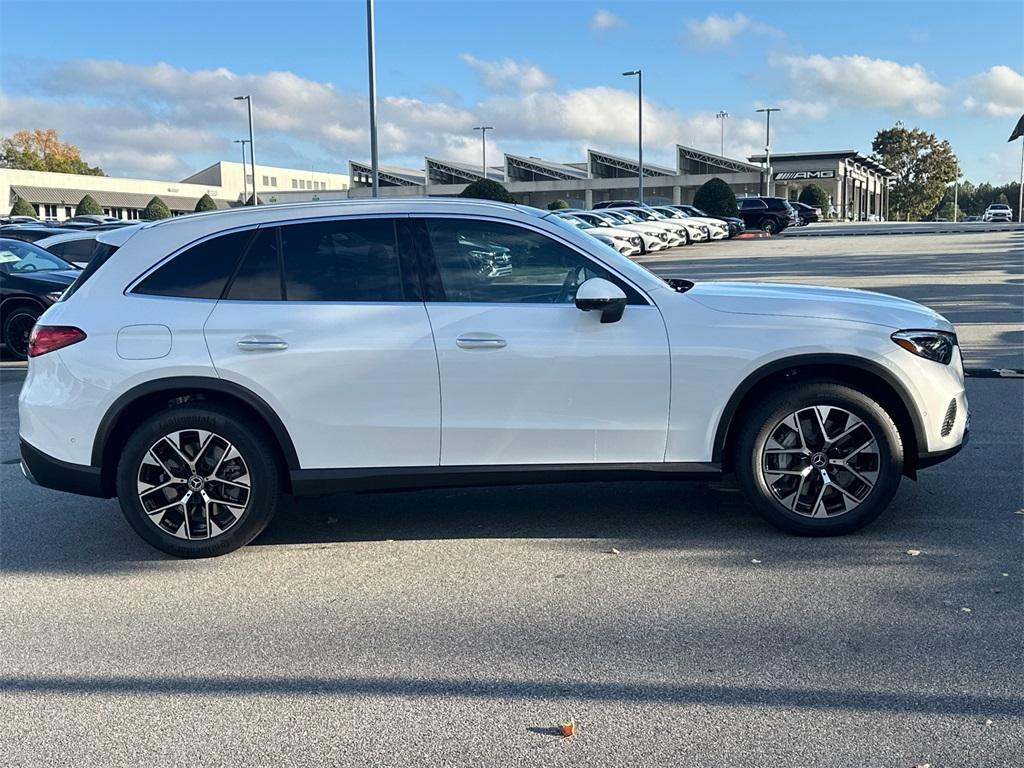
x=814, y=195
x=205, y=204
x=88, y=207
x=487, y=189
x=24, y=208
x=557, y=205
x=156, y=209
x=716, y=198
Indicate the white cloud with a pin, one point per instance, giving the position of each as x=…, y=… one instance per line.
x=999, y=92
x=807, y=110
x=604, y=20
x=721, y=30
x=509, y=75
x=856, y=82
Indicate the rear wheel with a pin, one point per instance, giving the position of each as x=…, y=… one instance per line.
x=770, y=226
x=197, y=481
x=819, y=459
x=17, y=329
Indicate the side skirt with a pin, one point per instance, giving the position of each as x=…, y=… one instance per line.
x=306, y=482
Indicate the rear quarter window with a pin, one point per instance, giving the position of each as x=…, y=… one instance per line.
x=198, y=272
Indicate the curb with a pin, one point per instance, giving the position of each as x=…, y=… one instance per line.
x=943, y=231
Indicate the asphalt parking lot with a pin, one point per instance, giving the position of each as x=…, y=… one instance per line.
x=458, y=627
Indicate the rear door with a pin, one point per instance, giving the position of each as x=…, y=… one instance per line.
x=324, y=321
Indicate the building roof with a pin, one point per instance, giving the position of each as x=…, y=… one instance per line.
x=388, y=174
x=438, y=171
x=544, y=168
x=72, y=196
x=835, y=154
x=691, y=156
x=624, y=164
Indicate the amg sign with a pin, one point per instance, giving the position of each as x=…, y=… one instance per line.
x=799, y=175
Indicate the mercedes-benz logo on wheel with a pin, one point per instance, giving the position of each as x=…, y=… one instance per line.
x=819, y=460
x=196, y=483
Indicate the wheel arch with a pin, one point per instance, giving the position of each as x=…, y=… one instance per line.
x=868, y=376
x=160, y=394
x=19, y=300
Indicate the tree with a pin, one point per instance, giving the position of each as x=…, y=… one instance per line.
x=922, y=165
x=487, y=189
x=42, y=150
x=205, y=204
x=814, y=195
x=156, y=209
x=946, y=211
x=23, y=207
x=557, y=205
x=88, y=207
x=716, y=198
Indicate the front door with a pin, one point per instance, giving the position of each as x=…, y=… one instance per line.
x=320, y=321
x=526, y=377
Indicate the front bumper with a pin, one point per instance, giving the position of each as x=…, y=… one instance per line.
x=48, y=472
x=925, y=460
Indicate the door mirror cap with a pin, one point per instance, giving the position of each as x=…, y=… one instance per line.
x=601, y=295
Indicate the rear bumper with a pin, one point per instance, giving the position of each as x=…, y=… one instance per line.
x=48, y=472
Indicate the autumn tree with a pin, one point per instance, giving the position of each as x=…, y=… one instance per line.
x=922, y=167
x=42, y=150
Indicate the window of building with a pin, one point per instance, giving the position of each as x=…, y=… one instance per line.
x=133, y=214
x=483, y=261
x=295, y=184
x=248, y=179
x=266, y=181
x=273, y=181
x=67, y=211
x=49, y=211
x=199, y=272
x=347, y=260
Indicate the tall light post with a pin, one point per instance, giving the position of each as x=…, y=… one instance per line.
x=245, y=184
x=722, y=115
x=768, y=147
x=956, y=187
x=483, y=136
x=371, y=50
x=640, y=129
x=252, y=149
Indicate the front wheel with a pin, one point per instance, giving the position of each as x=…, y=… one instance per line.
x=17, y=329
x=198, y=481
x=769, y=226
x=819, y=458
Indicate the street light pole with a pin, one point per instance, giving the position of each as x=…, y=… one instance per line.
x=372, y=56
x=640, y=129
x=722, y=115
x=483, y=135
x=768, y=147
x=245, y=185
x=252, y=149
x=956, y=187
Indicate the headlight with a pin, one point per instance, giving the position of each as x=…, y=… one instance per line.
x=932, y=345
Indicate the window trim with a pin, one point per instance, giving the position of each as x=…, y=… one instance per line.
x=428, y=263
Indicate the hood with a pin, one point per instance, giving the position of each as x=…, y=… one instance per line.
x=55, y=279
x=822, y=303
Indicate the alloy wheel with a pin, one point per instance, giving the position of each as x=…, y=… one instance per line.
x=821, y=461
x=19, y=330
x=193, y=484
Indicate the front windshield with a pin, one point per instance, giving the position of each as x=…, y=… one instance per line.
x=642, y=215
x=18, y=257
x=672, y=213
x=696, y=211
x=656, y=215
x=625, y=216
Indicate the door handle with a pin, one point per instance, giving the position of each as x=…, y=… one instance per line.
x=262, y=344
x=480, y=342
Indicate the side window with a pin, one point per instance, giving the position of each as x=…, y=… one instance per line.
x=341, y=260
x=78, y=250
x=259, y=276
x=199, y=272
x=483, y=261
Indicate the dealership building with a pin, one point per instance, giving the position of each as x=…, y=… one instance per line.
x=858, y=186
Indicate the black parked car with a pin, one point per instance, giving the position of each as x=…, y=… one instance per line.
x=31, y=279
x=769, y=214
x=32, y=232
x=808, y=213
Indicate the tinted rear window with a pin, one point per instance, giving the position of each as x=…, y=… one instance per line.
x=259, y=276
x=199, y=272
x=101, y=253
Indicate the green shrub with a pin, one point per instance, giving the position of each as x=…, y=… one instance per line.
x=205, y=204
x=24, y=208
x=88, y=207
x=487, y=189
x=557, y=205
x=716, y=198
x=156, y=209
x=814, y=195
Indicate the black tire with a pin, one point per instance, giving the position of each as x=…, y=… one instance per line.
x=251, y=441
x=17, y=327
x=770, y=226
x=763, y=418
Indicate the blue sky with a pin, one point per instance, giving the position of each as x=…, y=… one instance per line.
x=144, y=88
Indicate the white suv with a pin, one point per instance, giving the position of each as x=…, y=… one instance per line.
x=203, y=366
x=998, y=212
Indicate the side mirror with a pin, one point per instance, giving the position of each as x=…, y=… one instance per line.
x=601, y=295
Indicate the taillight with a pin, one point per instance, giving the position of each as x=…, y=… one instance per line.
x=47, y=338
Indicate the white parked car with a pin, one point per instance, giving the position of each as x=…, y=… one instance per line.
x=203, y=366
x=687, y=231
x=715, y=229
x=998, y=212
x=674, y=235
x=76, y=247
x=625, y=242
x=651, y=240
